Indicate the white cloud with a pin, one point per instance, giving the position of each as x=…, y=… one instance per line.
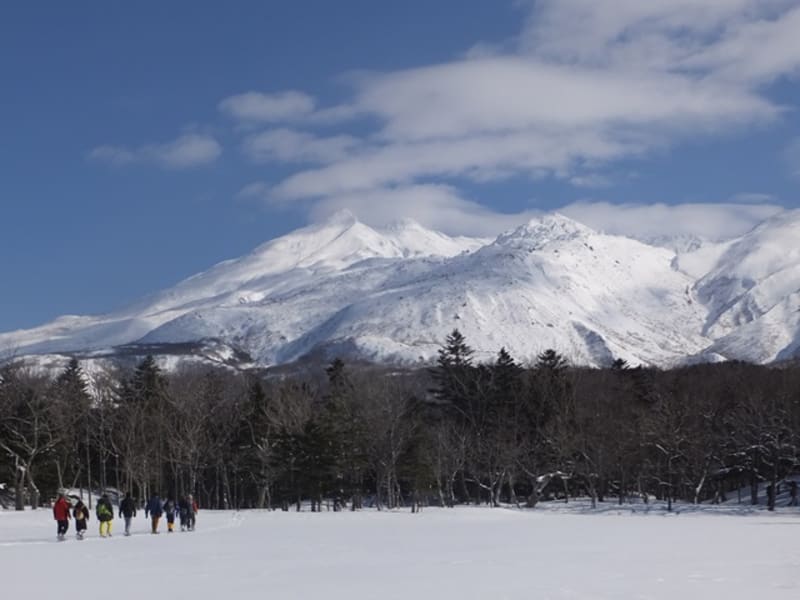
x=440, y=207
x=115, y=155
x=480, y=157
x=755, y=52
x=739, y=40
x=585, y=87
x=509, y=93
x=187, y=150
x=591, y=180
x=287, y=145
x=275, y=107
x=650, y=221
x=256, y=189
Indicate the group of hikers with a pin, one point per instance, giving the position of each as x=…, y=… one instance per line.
x=185, y=509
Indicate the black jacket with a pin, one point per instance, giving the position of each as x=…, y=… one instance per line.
x=80, y=512
x=169, y=507
x=127, y=508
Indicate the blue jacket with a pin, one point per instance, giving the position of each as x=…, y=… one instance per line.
x=154, y=508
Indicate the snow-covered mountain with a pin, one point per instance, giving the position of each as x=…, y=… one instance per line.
x=393, y=294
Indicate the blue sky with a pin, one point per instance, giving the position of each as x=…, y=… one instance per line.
x=143, y=142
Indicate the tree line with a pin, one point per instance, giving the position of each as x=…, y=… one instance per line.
x=348, y=436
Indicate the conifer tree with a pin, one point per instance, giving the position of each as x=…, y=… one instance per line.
x=344, y=424
x=454, y=374
x=257, y=438
x=72, y=415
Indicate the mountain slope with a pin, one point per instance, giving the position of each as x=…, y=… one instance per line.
x=550, y=284
x=753, y=293
x=281, y=267
x=393, y=294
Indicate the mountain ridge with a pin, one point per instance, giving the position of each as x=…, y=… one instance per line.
x=392, y=294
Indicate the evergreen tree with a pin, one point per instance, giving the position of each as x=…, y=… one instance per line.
x=147, y=387
x=344, y=423
x=455, y=353
x=143, y=417
x=73, y=416
x=552, y=361
x=505, y=376
x=454, y=375
x=71, y=384
x=620, y=364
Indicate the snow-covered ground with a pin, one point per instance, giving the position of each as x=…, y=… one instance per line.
x=550, y=552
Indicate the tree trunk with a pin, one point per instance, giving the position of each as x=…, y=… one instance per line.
x=511, y=491
x=59, y=474
x=19, y=488
x=699, y=488
x=753, y=488
x=88, y=472
x=440, y=491
x=34, y=491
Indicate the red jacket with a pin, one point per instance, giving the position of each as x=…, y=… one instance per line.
x=61, y=509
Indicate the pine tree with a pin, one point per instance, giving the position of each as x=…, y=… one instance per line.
x=505, y=375
x=144, y=396
x=551, y=361
x=73, y=416
x=71, y=383
x=455, y=353
x=454, y=375
x=620, y=364
x=148, y=385
x=344, y=424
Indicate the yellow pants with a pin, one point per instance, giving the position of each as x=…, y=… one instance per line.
x=105, y=528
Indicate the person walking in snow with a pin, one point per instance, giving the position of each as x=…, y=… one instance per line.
x=192, y=514
x=61, y=515
x=183, y=512
x=169, y=512
x=154, y=510
x=81, y=514
x=127, y=510
x=105, y=514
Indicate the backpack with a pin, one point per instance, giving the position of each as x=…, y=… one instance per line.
x=103, y=512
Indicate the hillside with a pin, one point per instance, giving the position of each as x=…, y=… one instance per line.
x=392, y=295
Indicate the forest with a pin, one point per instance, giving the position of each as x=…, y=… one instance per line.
x=347, y=436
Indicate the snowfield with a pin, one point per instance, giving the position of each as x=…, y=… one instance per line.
x=554, y=552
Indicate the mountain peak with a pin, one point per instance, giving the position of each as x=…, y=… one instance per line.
x=547, y=228
x=342, y=218
x=389, y=294
x=404, y=224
